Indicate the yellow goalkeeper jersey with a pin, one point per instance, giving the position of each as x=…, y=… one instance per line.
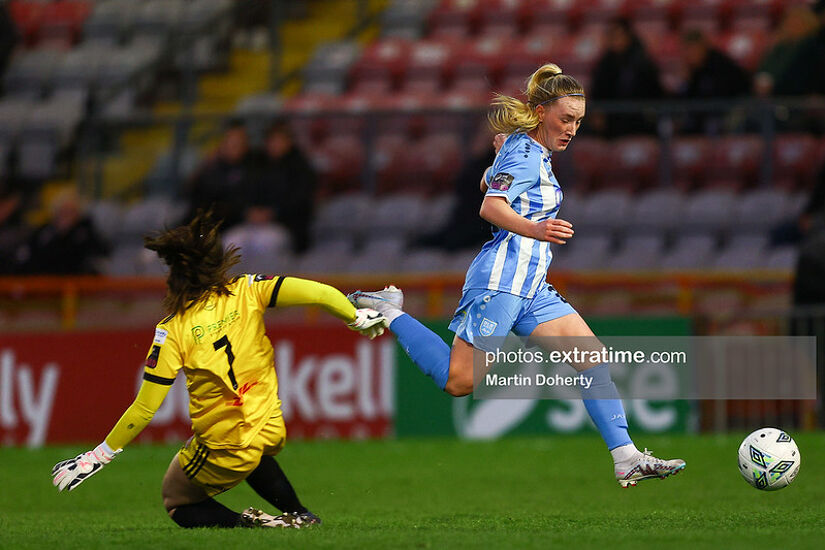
x=222, y=346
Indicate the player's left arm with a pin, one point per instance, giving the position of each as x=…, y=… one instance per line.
x=293, y=291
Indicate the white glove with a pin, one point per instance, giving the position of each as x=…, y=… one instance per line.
x=71, y=473
x=368, y=322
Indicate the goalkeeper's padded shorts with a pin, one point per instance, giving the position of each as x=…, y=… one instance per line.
x=218, y=470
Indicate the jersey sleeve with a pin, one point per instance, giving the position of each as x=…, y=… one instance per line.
x=303, y=292
x=165, y=358
x=264, y=288
x=514, y=171
x=138, y=415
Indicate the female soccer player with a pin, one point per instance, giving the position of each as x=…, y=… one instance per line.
x=506, y=286
x=215, y=332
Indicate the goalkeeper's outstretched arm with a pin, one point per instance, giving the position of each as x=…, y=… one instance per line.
x=301, y=292
x=70, y=473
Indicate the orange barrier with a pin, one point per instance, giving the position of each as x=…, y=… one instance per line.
x=433, y=288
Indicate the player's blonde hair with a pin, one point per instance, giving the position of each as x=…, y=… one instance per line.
x=198, y=262
x=510, y=115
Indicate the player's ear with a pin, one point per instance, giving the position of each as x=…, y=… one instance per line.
x=540, y=112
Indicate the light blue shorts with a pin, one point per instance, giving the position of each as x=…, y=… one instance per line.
x=485, y=313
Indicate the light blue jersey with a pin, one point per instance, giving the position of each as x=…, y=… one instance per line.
x=511, y=263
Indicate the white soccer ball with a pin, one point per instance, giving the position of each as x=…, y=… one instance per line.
x=769, y=459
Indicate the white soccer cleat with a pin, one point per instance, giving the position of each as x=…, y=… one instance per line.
x=391, y=298
x=646, y=466
x=252, y=517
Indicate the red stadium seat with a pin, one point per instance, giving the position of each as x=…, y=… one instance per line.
x=709, y=16
x=384, y=59
x=434, y=162
x=28, y=17
x=554, y=16
x=62, y=22
x=454, y=19
x=737, y=158
x=428, y=66
x=652, y=16
x=588, y=158
x=633, y=162
x=691, y=157
x=305, y=112
x=478, y=64
x=502, y=18
x=795, y=156
x=527, y=54
x=747, y=15
x=340, y=161
x=596, y=16
x=388, y=161
x=744, y=46
x=577, y=55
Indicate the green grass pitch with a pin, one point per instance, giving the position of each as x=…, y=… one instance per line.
x=437, y=493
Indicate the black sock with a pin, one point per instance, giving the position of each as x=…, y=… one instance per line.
x=270, y=482
x=209, y=513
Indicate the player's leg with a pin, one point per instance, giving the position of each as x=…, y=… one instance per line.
x=553, y=323
x=189, y=505
x=450, y=368
x=270, y=481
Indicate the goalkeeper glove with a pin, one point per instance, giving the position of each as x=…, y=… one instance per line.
x=71, y=473
x=368, y=322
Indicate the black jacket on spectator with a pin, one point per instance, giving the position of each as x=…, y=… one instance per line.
x=628, y=75
x=225, y=187
x=287, y=185
x=719, y=76
x=72, y=252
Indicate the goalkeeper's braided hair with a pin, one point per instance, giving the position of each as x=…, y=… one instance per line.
x=198, y=263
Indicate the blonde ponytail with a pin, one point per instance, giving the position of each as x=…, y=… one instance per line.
x=510, y=115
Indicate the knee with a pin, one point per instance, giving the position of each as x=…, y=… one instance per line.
x=459, y=386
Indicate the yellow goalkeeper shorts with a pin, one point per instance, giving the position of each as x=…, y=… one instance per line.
x=218, y=470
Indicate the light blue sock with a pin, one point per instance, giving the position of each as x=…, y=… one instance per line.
x=604, y=406
x=427, y=350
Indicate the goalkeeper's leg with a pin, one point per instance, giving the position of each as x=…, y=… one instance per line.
x=188, y=504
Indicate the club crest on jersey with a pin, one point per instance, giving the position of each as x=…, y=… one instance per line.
x=152, y=360
x=487, y=327
x=501, y=181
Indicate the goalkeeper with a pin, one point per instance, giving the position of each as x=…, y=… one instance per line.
x=215, y=332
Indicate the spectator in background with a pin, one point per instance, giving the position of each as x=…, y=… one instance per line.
x=625, y=71
x=68, y=245
x=263, y=244
x=789, y=67
x=286, y=185
x=8, y=36
x=465, y=228
x=12, y=229
x=224, y=182
x=711, y=74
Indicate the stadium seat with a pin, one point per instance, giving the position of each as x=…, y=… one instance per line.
x=453, y=19
x=760, y=209
x=436, y=160
x=588, y=153
x=107, y=216
x=737, y=158
x=501, y=18
x=61, y=23
x=783, y=258
x=747, y=15
x=708, y=210
x=328, y=257
x=476, y=67
x=427, y=67
x=339, y=160
x=13, y=114
x=343, y=216
x=651, y=17
x=709, y=16
x=330, y=64
x=744, y=46
x=424, y=261
x=742, y=252
x=554, y=16
x=690, y=252
x=27, y=17
x=30, y=72
x=110, y=21
x=638, y=252
x=585, y=252
x=633, y=161
x=389, y=248
x=691, y=157
x=656, y=210
x=406, y=18
x=607, y=209
x=796, y=156
x=398, y=214
x=157, y=19
x=47, y=130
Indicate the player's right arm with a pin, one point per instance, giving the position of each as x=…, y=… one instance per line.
x=496, y=211
x=162, y=364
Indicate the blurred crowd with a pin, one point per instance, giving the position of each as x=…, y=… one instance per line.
x=267, y=196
